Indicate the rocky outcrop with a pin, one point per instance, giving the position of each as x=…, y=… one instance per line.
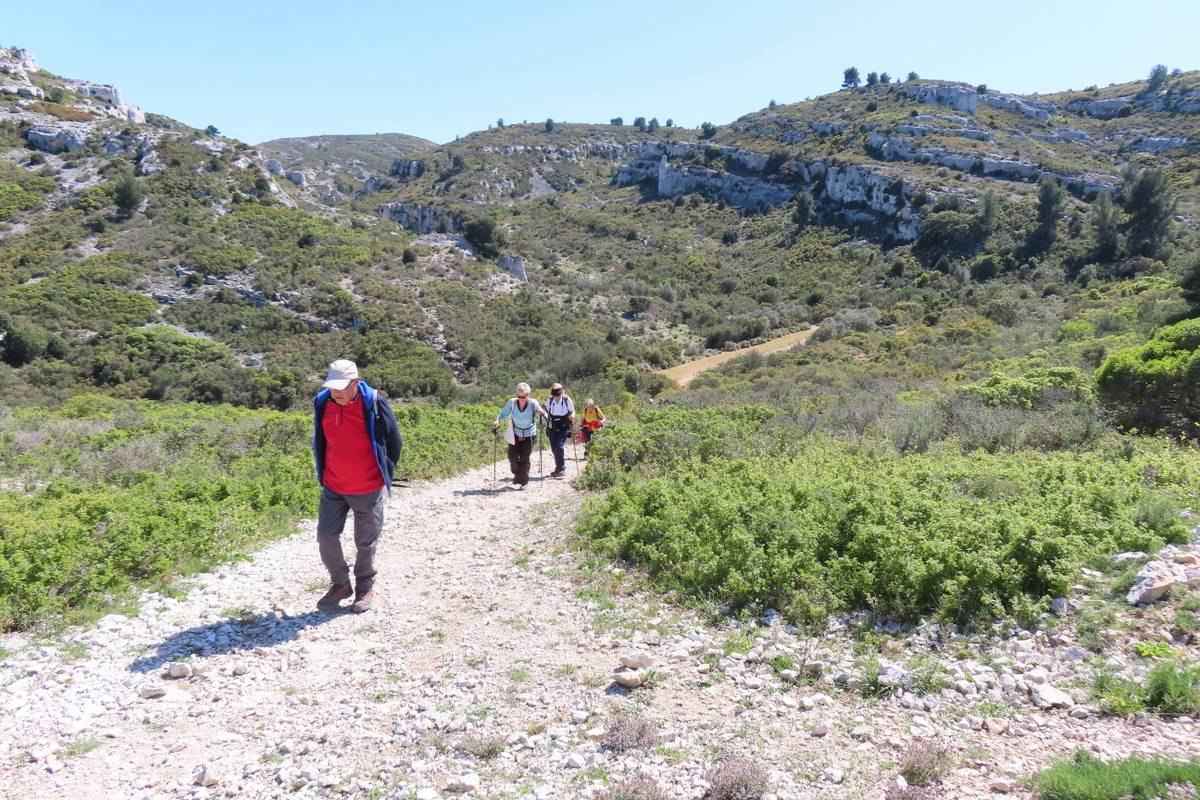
x=109, y=99
x=22, y=90
x=56, y=139
x=422, y=219
x=1062, y=135
x=596, y=148
x=1173, y=566
x=407, y=168
x=1156, y=144
x=1100, y=109
x=297, y=177
x=928, y=130
x=274, y=166
x=848, y=194
x=1171, y=101
x=1029, y=107
x=889, y=148
x=966, y=98
x=512, y=265
x=375, y=183
x=961, y=98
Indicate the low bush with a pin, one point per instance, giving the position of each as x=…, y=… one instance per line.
x=736, y=779
x=628, y=731
x=828, y=526
x=125, y=493
x=639, y=788
x=1085, y=777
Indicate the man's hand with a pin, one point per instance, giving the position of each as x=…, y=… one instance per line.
x=495, y=425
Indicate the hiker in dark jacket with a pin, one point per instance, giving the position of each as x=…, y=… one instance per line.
x=356, y=443
x=561, y=409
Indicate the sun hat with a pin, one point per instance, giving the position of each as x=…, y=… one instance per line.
x=556, y=387
x=341, y=372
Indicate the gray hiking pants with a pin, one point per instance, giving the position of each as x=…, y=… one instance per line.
x=368, y=525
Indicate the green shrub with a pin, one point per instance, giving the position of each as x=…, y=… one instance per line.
x=1037, y=387
x=138, y=491
x=830, y=526
x=1087, y=778
x=1156, y=386
x=1173, y=688
x=14, y=199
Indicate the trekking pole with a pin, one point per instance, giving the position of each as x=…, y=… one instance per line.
x=495, y=445
x=541, y=465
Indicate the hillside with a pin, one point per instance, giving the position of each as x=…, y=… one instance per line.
x=945, y=540
x=335, y=165
x=649, y=244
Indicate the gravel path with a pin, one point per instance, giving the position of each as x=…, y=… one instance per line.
x=487, y=668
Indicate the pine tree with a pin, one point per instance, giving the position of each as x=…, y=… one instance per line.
x=872, y=78
x=850, y=78
x=912, y=76
x=549, y=125
x=1105, y=227
x=1051, y=200
x=1150, y=203
x=1158, y=76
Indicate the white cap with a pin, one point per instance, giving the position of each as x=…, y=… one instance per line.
x=341, y=372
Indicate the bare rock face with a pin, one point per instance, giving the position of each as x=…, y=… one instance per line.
x=422, y=219
x=109, y=99
x=960, y=98
x=512, y=265
x=56, y=139
x=407, y=168
x=850, y=194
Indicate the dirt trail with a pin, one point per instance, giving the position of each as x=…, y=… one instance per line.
x=487, y=661
x=684, y=373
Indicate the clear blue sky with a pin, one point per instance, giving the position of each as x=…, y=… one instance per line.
x=265, y=69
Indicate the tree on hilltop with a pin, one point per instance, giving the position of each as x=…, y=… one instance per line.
x=500, y=122
x=872, y=78
x=850, y=79
x=652, y=125
x=549, y=125
x=912, y=76
x=707, y=130
x=618, y=121
x=639, y=123
x=884, y=78
x=1158, y=76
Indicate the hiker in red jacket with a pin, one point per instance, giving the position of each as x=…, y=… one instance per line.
x=356, y=443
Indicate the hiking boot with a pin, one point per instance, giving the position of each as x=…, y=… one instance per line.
x=363, y=599
x=336, y=594
x=558, y=473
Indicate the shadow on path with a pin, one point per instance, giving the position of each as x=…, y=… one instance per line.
x=229, y=636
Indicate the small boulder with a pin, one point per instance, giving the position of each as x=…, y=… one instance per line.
x=1046, y=696
x=629, y=678
x=637, y=659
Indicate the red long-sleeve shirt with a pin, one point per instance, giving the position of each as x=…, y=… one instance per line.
x=350, y=466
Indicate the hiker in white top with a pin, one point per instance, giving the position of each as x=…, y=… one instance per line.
x=562, y=418
x=521, y=412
